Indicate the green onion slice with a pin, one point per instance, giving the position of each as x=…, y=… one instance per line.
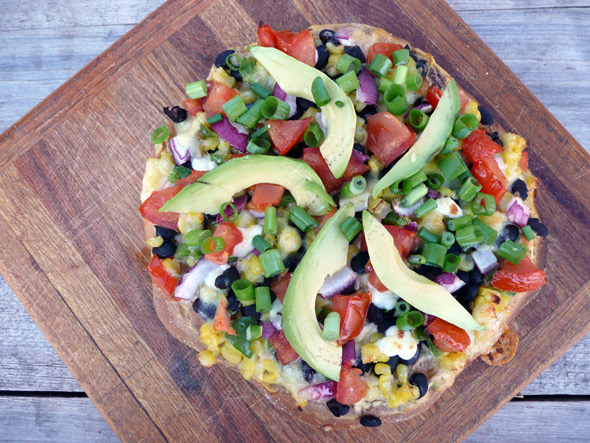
x=271, y=263
x=409, y=321
x=395, y=100
x=331, y=331
x=435, y=181
x=234, y=108
x=160, y=135
x=464, y=125
x=483, y=204
x=351, y=228
x=434, y=254
x=258, y=145
x=417, y=119
x=244, y=290
x=348, y=82
x=212, y=244
x=347, y=63
x=196, y=89
x=260, y=90
x=354, y=187
x=234, y=214
x=302, y=219
x=261, y=244
x=401, y=57
x=314, y=135
x=270, y=220
x=402, y=308
x=263, y=303
x=319, y=92
x=380, y=65
x=275, y=109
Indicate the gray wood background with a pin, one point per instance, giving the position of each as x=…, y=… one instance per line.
x=43, y=43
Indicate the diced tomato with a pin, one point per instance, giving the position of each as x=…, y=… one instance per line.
x=374, y=279
x=463, y=99
x=386, y=49
x=279, y=287
x=285, y=352
x=433, y=96
x=448, y=337
x=161, y=277
x=322, y=219
x=150, y=207
x=266, y=194
x=478, y=146
x=193, y=106
x=231, y=236
x=218, y=96
x=523, y=163
x=298, y=45
x=285, y=133
x=492, y=179
x=222, y=320
x=237, y=156
x=405, y=241
x=313, y=157
x=353, y=311
x=388, y=138
x=523, y=277
x=350, y=389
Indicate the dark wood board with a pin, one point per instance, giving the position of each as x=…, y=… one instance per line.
x=73, y=249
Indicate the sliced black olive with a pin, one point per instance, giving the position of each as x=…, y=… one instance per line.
x=338, y=409
x=233, y=304
x=454, y=249
x=486, y=116
x=222, y=57
x=519, y=187
x=429, y=272
x=370, y=421
x=475, y=277
x=365, y=367
x=232, y=273
x=495, y=136
x=236, y=75
x=167, y=249
x=205, y=310
x=323, y=56
x=222, y=281
x=359, y=262
x=304, y=104
x=356, y=52
x=367, y=110
x=510, y=232
x=165, y=233
x=467, y=293
x=539, y=228
x=250, y=311
x=176, y=114
x=375, y=314
x=413, y=359
x=393, y=362
x=385, y=325
x=358, y=147
x=421, y=381
x=308, y=371
x=328, y=36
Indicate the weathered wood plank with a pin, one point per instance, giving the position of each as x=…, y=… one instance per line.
x=468, y=5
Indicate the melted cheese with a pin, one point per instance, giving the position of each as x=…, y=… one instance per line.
x=210, y=278
x=448, y=207
x=384, y=300
x=397, y=342
x=245, y=246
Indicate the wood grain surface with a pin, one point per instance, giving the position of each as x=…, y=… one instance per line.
x=72, y=202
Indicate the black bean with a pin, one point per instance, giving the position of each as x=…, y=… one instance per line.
x=421, y=381
x=236, y=75
x=250, y=311
x=375, y=314
x=370, y=421
x=165, y=233
x=463, y=275
x=519, y=187
x=338, y=409
x=359, y=262
x=328, y=36
x=385, y=325
x=393, y=362
x=358, y=147
x=205, y=310
x=232, y=273
x=308, y=371
x=428, y=271
x=273, y=297
x=455, y=249
x=422, y=66
x=297, y=150
x=303, y=104
x=323, y=56
x=539, y=228
x=367, y=111
x=486, y=116
x=414, y=358
x=222, y=282
x=233, y=304
x=167, y=249
x=176, y=114
x=188, y=164
x=220, y=59
x=495, y=136
x=365, y=367
x=350, y=290
x=475, y=277
x=510, y=232
x=467, y=293
x=356, y=52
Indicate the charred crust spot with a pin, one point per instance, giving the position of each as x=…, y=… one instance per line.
x=504, y=349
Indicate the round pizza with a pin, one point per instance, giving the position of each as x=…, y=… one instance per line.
x=333, y=217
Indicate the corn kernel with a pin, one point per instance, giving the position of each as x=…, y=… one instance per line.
x=331, y=65
x=434, y=222
x=375, y=337
x=248, y=96
x=512, y=153
x=385, y=384
x=257, y=347
x=375, y=164
x=171, y=265
x=402, y=373
x=471, y=108
x=400, y=396
x=211, y=338
x=220, y=76
x=335, y=49
x=269, y=377
x=370, y=353
x=382, y=369
x=252, y=269
x=231, y=354
x=289, y=241
x=453, y=361
x=352, y=251
x=155, y=242
x=270, y=365
x=156, y=174
x=189, y=221
x=206, y=358
x=248, y=367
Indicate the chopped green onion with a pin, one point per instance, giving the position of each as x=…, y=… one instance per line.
x=465, y=176
x=414, y=81
x=252, y=115
x=286, y=200
x=234, y=108
x=434, y=254
x=233, y=217
x=354, y=187
x=243, y=290
x=258, y=145
x=406, y=186
x=395, y=100
x=489, y=234
x=217, y=158
x=215, y=118
x=275, y=109
x=262, y=294
x=383, y=84
x=402, y=307
x=350, y=228
x=195, y=237
x=409, y=321
x=427, y=235
x=392, y=218
x=401, y=72
x=314, y=135
x=160, y=135
x=452, y=166
x=259, y=132
x=212, y=244
x=339, y=103
x=380, y=65
x=435, y=351
x=469, y=236
x=178, y=172
x=320, y=94
x=483, y=204
x=261, y=244
x=253, y=332
x=348, y=82
x=394, y=187
x=420, y=334
x=425, y=208
x=464, y=125
x=414, y=195
x=270, y=220
x=511, y=251
x=302, y=219
x=417, y=119
x=528, y=232
x=206, y=133
x=247, y=67
x=447, y=239
x=401, y=57
x=229, y=61
x=455, y=224
x=449, y=146
x=347, y=63
x=417, y=178
x=416, y=259
x=435, y=181
x=271, y=263
x=468, y=189
x=260, y=90
x=196, y=89
x=451, y=263
x=466, y=264
x=331, y=331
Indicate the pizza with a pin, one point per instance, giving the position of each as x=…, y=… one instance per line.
x=332, y=216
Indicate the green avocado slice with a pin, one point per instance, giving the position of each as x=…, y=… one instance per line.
x=296, y=78
x=431, y=141
x=326, y=256
x=417, y=290
x=219, y=185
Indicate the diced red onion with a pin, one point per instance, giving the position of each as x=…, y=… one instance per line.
x=424, y=107
x=348, y=352
x=256, y=252
x=240, y=128
x=485, y=260
x=193, y=279
x=278, y=92
x=412, y=226
x=343, y=36
x=367, y=91
x=239, y=203
x=291, y=100
x=333, y=285
x=319, y=392
x=230, y=134
x=429, y=318
x=449, y=281
x=268, y=329
x=433, y=194
x=406, y=212
x=359, y=156
x=257, y=214
x=518, y=213
x=180, y=153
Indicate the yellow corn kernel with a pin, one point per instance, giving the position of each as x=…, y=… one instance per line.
x=245, y=220
x=385, y=384
x=446, y=192
x=270, y=365
x=209, y=144
x=360, y=133
x=402, y=373
x=370, y=353
x=248, y=367
x=189, y=221
x=156, y=174
x=206, y=358
x=220, y=76
x=434, y=222
x=335, y=49
x=257, y=347
x=252, y=269
x=400, y=396
x=301, y=403
x=512, y=153
x=171, y=265
x=211, y=338
x=155, y=242
x=331, y=65
x=375, y=337
x=231, y=354
x=453, y=361
x=309, y=237
x=289, y=241
x=269, y=377
x=382, y=369
x=471, y=108
x=375, y=164
x=352, y=251
x=248, y=96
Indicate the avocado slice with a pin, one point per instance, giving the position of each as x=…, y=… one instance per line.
x=431, y=141
x=326, y=256
x=417, y=290
x=296, y=78
x=219, y=185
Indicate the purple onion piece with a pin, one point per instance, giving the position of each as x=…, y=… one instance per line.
x=181, y=154
x=239, y=203
x=518, y=213
x=406, y=212
x=412, y=226
x=359, y=156
x=268, y=329
x=348, y=352
x=367, y=91
x=319, y=392
x=193, y=279
x=433, y=194
x=333, y=285
x=343, y=36
x=230, y=134
x=449, y=281
x=485, y=260
x=257, y=214
x=278, y=92
x=424, y=107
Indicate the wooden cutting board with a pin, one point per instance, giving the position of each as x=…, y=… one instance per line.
x=72, y=244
